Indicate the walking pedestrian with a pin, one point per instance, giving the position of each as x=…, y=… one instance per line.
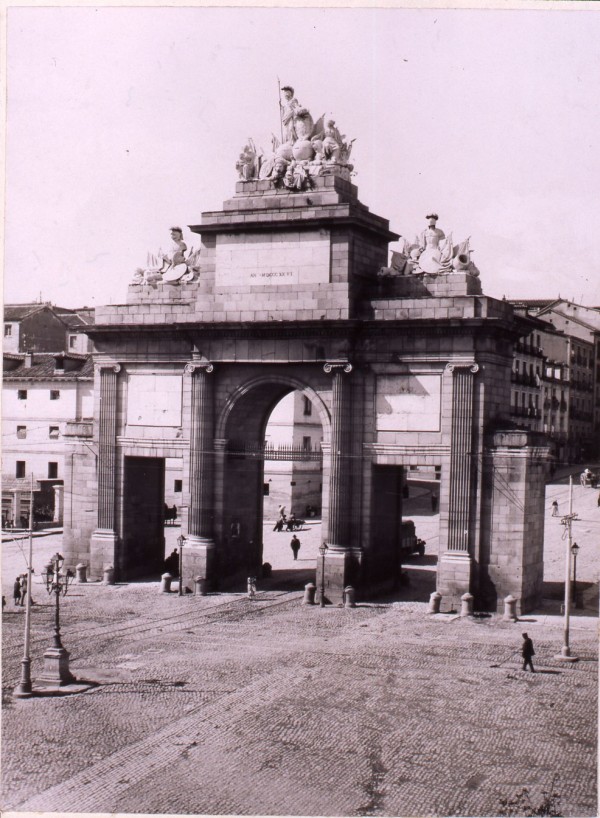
x=295, y=546
x=17, y=591
x=23, y=589
x=599, y=501
x=527, y=652
x=555, y=508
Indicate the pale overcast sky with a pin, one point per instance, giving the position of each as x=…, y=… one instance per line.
x=124, y=121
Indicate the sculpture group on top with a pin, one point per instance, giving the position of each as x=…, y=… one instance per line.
x=431, y=252
x=306, y=149
x=173, y=265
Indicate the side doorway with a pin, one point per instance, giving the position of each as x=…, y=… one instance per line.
x=386, y=526
x=143, y=546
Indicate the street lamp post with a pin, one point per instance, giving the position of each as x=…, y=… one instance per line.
x=24, y=689
x=575, y=551
x=567, y=521
x=323, y=549
x=56, y=659
x=181, y=543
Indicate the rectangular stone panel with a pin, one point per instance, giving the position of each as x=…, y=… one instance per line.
x=153, y=399
x=408, y=403
x=290, y=257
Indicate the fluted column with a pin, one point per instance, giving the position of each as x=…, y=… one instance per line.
x=339, y=479
x=107, y=437
x=201, y=482
x=461, y=457
x=104, y=541
x=198, y=559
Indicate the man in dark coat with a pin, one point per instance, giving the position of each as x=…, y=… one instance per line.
x=17, y=591
x=527, y=652
x=295, y=546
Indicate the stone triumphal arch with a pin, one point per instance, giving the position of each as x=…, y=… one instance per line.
x=406, y=364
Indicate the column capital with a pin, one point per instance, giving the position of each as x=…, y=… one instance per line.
x=470, y=365
x=336, y=366
x=116, y=368
x=194, y=366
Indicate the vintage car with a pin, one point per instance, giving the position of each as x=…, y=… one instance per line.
x=409, y=542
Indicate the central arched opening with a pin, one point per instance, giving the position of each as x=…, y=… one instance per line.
x=270, y=525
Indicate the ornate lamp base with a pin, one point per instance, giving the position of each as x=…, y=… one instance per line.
x=56, y=669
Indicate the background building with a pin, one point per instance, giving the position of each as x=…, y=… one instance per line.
x=556, y=377
x=47, y=382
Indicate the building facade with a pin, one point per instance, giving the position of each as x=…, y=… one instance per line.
x=41, y=394
x=559, y=394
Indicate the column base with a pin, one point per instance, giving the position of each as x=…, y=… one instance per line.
x=56, y=669
x=454, y=577
x=342, y=568
x=565, y=655
x=198, y=560
x=103, y=552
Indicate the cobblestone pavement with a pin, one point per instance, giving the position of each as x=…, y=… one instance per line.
x=220, y=705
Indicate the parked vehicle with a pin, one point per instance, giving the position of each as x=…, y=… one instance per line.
x=409, y=542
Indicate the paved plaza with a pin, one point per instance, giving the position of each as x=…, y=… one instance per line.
x=222, y=705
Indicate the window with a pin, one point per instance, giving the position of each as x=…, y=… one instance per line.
x=306, y=443
x=7, y=330
x=307, y=406
x=177, y=486
x=22, y=394
x=20, y=469
x=53, y=432
x=54, y=394
x=52, y=471
x=21, y=432
x=72, y=341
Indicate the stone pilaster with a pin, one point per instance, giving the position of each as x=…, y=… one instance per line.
x=455, y=566
x=198, y=554
x=104, y=538
x=340, y=561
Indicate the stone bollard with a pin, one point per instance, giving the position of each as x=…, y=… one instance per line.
x=435, y=600
x=466, y=607
x=309, y=594
x=510, y=609
x=109, y=575
x=81, y=571
x=200, y=586
x=349, y=597
x=165, y=583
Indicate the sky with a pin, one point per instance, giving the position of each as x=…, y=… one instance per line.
x=124, y=121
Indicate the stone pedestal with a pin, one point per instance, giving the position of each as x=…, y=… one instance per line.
x=56, y=669
x=198, y=560
x=455, y=570
x=103, y=547
x=511, y=561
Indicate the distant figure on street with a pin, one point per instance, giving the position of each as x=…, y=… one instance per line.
x=291, y=522
x=282, y=512
x=23, y=589
x=527, y=652
x=434, y=502
x=599, y=501
x=279, y=524
x=295, y=546
x=174, y=514
x=555, y=508
x=17, y=591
